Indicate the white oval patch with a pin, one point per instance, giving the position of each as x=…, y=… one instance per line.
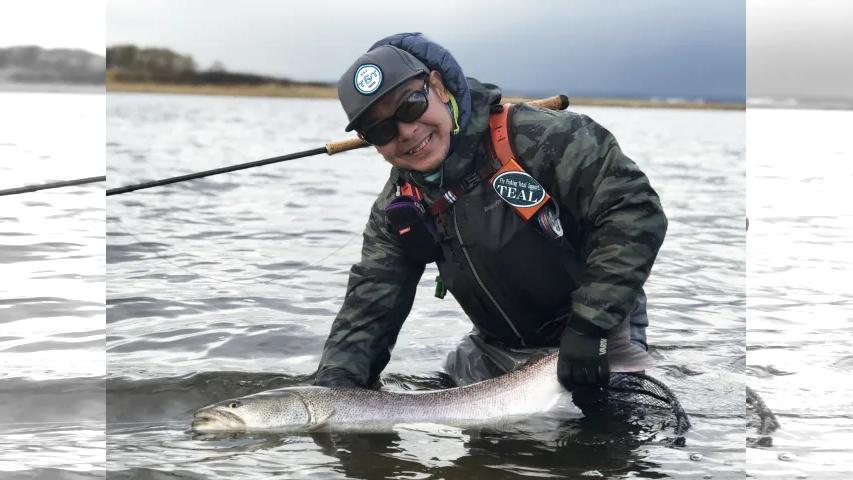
x=368, y=78
x=518, y=189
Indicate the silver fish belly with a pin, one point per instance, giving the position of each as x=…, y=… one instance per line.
x=527, y=391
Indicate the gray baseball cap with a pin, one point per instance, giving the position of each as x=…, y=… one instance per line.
x=373, y=75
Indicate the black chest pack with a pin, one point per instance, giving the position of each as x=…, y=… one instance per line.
x=414, y=220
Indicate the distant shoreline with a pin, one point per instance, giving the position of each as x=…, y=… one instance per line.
x=792, y=104
x=269, y=90
x=313, y=91
x=50, y=88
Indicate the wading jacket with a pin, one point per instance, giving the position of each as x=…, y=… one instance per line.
x=518, y=287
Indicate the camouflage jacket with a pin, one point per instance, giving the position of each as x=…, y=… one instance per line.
x=518, y=287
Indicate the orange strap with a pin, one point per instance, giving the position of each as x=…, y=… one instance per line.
x=499, y=125
x=502, y=150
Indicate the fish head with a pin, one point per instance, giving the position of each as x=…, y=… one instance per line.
x=279, y=410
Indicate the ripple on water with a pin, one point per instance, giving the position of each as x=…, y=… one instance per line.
x=283, y=341
x=136, y=251
x=182, y=343
x=844, y=363
x=174, y=278
x=69, y=401
x=35, y=251
x=14, y=309
x=61, y=345
x=170, y=399
x=691, y=157
x=288, y=265
x=119, y=308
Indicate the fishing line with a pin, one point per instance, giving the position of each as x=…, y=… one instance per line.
x=45, y=186
x=248, y=281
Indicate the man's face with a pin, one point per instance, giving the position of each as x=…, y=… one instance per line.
x=420, y=145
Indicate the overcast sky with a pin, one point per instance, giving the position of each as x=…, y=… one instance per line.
x=799, y=48
x=53, y=24
x=692, y=48
x=675, y=48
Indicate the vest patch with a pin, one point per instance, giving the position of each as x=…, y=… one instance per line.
x=518, y=189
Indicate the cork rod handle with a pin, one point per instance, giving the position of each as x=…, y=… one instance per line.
x=559, y=102
x=344, y=145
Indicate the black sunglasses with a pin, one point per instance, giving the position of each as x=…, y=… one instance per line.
x=411, y=109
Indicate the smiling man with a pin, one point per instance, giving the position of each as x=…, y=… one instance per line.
x=544, y=248
x=392, y=108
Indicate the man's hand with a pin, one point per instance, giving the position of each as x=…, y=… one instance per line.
x=583, y=359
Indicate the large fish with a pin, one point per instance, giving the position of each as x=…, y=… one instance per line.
x=529, y=390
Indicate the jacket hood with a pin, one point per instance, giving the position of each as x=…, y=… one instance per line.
x=466, y=147
x=438, y=58
x=473, y=99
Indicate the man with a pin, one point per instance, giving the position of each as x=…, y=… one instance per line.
x=569, y=278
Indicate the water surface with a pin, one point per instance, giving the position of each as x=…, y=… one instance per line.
x=228, y=285
x=800, y=248
x=52, y=290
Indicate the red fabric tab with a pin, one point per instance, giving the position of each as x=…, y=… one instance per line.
x=412, y=191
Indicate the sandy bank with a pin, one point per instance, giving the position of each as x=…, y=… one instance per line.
x=310, y=91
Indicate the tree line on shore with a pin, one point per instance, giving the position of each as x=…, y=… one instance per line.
x=31, y=64
x=133, y=64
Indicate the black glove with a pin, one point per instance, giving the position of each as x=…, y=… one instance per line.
x=583, y=358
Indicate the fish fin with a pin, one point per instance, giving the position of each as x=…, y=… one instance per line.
x=323, y=425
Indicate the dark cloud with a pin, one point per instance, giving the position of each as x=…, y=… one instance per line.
x=623, y=47
x=800, y=49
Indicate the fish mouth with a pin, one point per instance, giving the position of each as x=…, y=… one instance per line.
x=217, y=420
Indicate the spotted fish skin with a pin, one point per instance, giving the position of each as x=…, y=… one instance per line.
x=527, y=391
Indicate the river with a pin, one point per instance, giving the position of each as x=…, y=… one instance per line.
x=52, y=294
x=228, y=285
x=800, y=250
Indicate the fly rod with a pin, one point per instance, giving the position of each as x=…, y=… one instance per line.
x=45, y=186
x=559, y=102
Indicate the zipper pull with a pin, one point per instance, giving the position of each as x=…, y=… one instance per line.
x=440, y=290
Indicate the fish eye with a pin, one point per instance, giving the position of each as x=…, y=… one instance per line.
x=234, y=404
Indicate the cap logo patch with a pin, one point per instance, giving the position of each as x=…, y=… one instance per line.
x=518, y=189
x=367, y=79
